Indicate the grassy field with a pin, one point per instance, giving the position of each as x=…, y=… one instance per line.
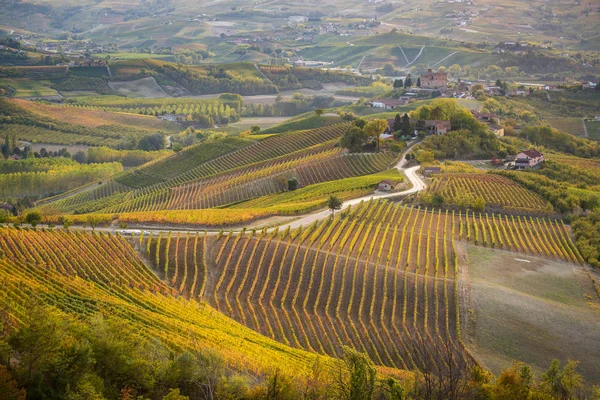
x=263, y=122
x=593, y=129
x=29, y=88
x=309, y=122
x=574, y=126
x=533, y=310
x=145, y=87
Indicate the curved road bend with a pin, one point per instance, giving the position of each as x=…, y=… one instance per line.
x=411, y=173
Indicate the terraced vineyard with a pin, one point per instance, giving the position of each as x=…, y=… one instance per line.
x=371, y=278
x=226, y=172
x=317, y=168
x=536, y=236
x=84, y=274
x=180, y=163
x=497, y=191
x=381, y=277
x=180, y=260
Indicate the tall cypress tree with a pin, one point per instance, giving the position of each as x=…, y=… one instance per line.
x=397, y=126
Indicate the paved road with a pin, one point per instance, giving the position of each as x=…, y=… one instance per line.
x=411, y=174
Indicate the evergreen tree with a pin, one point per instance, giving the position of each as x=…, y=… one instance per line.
x=408, y=82
x=397, y=126
x=398, y=83
x=406, y=129
x=419, y=82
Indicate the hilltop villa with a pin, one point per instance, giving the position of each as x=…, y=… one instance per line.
x=529, y=159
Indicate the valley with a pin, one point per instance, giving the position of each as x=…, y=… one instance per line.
x=378, y=200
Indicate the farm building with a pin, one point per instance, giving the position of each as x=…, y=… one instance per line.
x=434, y=127
x=486, y=117
x=529, y=159
x=385, y=186
x=434, y=80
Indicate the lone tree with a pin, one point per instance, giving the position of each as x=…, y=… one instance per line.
x=334, y=203
x=319, y=112
x=419, y=82
x=408, y=81
x=357, y=376
x=292, y=184
x=93, y=221
x=375, y=128
x=479, y=204
x=254, y=129
x=33, y=218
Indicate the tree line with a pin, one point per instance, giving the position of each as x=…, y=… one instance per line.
x=52, y=355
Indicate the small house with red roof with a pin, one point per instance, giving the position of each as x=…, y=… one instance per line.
x=529, y=159
x=385, y=185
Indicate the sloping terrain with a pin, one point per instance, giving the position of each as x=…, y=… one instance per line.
x=533, y=310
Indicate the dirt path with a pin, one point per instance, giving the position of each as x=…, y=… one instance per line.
x=360, y=63
x=467, y=319
x=415, y=59
x=444, y=59
x=404, y=54
x=584, y=128
x=261, y=74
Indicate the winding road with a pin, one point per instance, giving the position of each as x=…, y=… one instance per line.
x=411, y=174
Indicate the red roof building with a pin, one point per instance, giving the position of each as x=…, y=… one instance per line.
x=529, y=159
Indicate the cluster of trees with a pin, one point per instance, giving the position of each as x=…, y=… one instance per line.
x=406, y=83
x=54, y=356
x=218, y=82
x=54, y=181
x=295, y=105
x=563, y=186
x=286, y=77
x=153, y=142
x=10, y=147
x=51, y=355
x=402, y=126
x=557, y=140
x=192, y=57
x=130, y=158
x=468, y=139
x=363, y=135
